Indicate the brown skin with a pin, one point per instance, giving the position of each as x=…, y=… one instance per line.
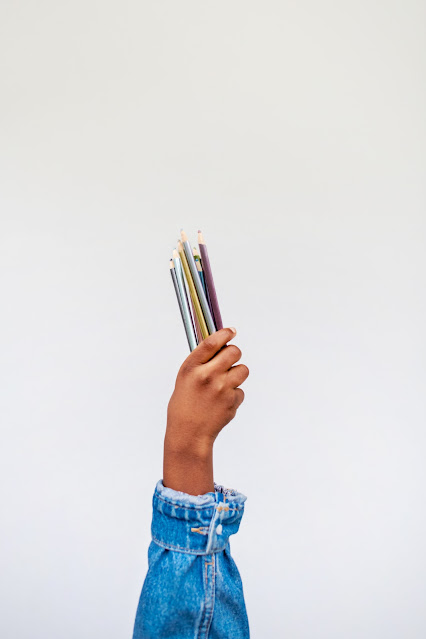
x=206, y=397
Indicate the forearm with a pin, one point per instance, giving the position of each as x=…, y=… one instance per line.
x=187, y=465
x=205, y=399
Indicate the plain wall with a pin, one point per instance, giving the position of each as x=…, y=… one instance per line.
x=293, y=135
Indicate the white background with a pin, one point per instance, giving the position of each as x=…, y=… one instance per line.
x=293, y=135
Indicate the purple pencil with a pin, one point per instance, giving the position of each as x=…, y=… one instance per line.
x=209, y=282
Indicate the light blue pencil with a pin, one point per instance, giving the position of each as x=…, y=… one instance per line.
x=179, y=299
x=187, y=319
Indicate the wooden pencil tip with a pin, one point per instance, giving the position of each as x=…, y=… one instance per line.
x=183, y=235
x=180, y=246
x=175, y=253
x=200, y=238
x=171, y=264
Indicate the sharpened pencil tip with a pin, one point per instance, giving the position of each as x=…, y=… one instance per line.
x=175, y=253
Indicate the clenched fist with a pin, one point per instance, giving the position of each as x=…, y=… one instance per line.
x=205, y=399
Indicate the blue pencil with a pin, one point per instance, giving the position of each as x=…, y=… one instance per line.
x=199, y=266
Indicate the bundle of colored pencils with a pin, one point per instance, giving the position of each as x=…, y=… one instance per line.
x=195, y=291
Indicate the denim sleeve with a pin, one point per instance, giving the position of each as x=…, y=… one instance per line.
x=193, y=589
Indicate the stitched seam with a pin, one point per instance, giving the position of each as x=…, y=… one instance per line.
x=186, y=550
x=173, y=547
x=186, y=506
x=209, y=622
x=203, y=613
x=205, y=624
x=192, y=506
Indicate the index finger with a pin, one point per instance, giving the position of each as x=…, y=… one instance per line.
x=211, y=345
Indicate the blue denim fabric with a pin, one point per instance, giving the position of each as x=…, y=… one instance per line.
x=193, y=589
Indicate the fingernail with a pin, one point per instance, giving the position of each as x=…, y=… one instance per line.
x=234, y=330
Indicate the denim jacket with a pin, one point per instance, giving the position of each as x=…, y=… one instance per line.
x=193, y=589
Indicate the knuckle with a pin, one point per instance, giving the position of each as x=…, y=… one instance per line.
x=185, y=368
x=231, y=407
x=232, y=402
x=220, y=386
x=205, y=378
x=210, y=342
x=235, y=351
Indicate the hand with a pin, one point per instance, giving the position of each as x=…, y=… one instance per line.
x=206, y=397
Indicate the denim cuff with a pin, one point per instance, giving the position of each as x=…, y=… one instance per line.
x=195, y=524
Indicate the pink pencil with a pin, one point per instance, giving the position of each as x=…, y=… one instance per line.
x=209, y=282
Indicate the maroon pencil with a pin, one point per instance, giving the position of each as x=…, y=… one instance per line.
x=209, y=281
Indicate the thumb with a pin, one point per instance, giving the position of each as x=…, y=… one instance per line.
x=211, y=345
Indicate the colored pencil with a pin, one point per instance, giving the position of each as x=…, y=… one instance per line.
x=188, y=299
x=198, y=332
x=195, y=323
x=177, y=278
x=200, y=265
x=197, y=259
x=209, y=281
x=192, y=289
x=198, y=285
x=176, y=287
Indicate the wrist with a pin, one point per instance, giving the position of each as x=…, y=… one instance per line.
x=188, y=464
x=188, y=445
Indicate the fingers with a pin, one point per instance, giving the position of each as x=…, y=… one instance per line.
x=237, y=375
x=225, y=358
x=210, y=346
x=239, y=397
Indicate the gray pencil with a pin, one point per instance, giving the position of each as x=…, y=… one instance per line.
x=180, y=293
x=176, y=287
x=198, y=285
